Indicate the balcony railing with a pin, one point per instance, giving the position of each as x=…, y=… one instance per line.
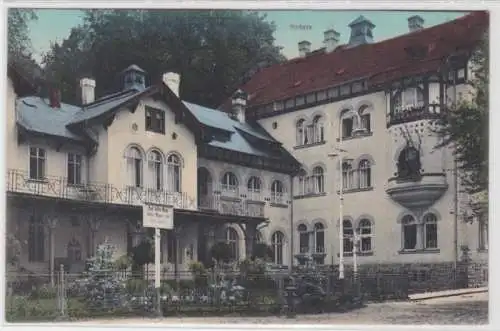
x=230, y=205
x=18, y=181
x=415, y=113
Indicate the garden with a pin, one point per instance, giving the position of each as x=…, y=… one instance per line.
x=114, y=288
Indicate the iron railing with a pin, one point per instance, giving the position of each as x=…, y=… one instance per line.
x=19, y=181
x=231, y=206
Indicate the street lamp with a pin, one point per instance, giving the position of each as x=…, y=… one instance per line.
x=341, y=212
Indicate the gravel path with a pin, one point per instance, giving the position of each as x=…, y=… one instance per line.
x=464, y=309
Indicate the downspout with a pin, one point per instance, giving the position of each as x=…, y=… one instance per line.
x=455, y=169
x=455, y=174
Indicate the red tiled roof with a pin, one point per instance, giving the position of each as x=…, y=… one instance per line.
x=379, y=62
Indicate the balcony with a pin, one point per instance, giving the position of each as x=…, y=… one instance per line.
x=418, y=193
x=414, y=113
x=58, y=187
x=231, y=205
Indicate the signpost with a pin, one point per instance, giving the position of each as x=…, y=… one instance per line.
x=157, y=216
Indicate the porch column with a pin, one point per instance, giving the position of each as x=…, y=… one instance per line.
x=94, y=223
x=250, y=233
x=50, y=221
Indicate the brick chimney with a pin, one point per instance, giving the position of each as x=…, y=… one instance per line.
x=55, y=97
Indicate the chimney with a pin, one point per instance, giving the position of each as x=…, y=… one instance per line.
x=304, y=48
x=361, y=31
x=331, y=40
x=55, y=98
x=415, y=23
x=239, y=102
x=87, y=86
x=172, y=80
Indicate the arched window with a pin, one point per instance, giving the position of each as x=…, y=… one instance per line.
x=430, y=231
x=36, y=240
x=409, y=163
x=277, y=192
x=365, y=235
x=319, y=238
x=74, y=251
x=278, y=240
x=156, y=169
x=347, y=176
x=174, y=173
x=365, y=174
x=365, y=119
x=134, y=166
x=229, y=184
x=301, y=134
x=409, y=232
x=318, y=129
x=232, y=240
x=348, y=236
x=318, y=180
x=303, y=239
x=253, y=186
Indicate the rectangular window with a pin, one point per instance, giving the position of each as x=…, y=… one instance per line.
x=345, y=90
x=299, y=101
x=74, y=169
x=290, y=103
x=321, y=95
x=357, y=87
x=347, y=126
x=333, y=92
x=37, y=163
x=311, y=98
x=155, y=120
x=278, y=106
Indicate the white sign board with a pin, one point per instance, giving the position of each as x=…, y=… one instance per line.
x=157, y=216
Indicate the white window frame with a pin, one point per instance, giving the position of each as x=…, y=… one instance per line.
x=76, y=166
x=39, y=159
x=174, y=173
x=277, y=191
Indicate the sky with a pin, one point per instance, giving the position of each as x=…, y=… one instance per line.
x=292, y=26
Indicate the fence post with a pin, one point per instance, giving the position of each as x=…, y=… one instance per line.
x=62, y=293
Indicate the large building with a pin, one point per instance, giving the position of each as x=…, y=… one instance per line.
x=350, y=120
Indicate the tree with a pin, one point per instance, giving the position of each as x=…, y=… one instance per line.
x=465, y=128
x=19, y=43
x=214, y=51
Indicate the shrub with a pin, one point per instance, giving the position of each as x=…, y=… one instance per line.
x=199, y=273
x=221, y=252
x=43, y=292
x=101, y=288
